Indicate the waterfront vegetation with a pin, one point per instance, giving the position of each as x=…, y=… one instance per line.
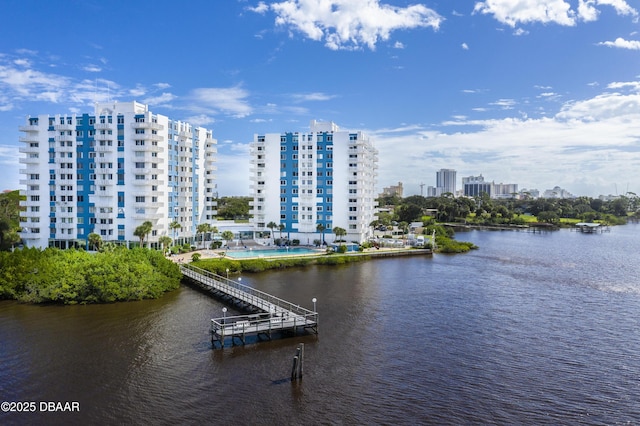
x=485, y=211
x=75, y=276
x=221, y=265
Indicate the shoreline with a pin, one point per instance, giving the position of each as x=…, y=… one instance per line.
x=206, y=254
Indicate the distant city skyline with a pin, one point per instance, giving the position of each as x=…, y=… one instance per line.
x=542, y=94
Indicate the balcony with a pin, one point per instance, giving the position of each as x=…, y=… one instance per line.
x=103, y=126
x=65, y=148
x=105, y=182
x=64, y=127
x=29, y=138
x=29, y=160
x=108, y=193
x=29, y=128
x=64, y=138
x=146, y=214
x=104, y=148
x=28, y=149
x=147, y=125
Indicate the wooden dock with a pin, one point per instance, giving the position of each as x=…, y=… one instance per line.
x=268, y=315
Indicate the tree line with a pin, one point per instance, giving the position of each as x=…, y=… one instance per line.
x=484, y=210
x=75, y=276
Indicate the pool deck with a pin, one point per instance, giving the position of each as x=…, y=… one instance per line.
x=382, y=252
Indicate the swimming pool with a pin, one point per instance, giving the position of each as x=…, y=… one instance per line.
x=291, y=251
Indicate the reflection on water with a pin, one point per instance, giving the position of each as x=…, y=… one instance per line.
x=535, y=329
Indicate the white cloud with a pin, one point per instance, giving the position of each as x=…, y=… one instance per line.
x=261, y=8
x=605, y=106
x=504, y=103
x=465, y=46
x=137, y=91
x=633, y=85
x=159, y=100
x=231, y=100
x=512, y=12
x=350, y=24
x=92, y=68
x=398, y=45
x=26, y=84
x=621, y=43
x=315, y=96
x=22, y=62
x=578, y=148
x=201, y=120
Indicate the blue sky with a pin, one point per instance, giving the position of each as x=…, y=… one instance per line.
x=534, y=92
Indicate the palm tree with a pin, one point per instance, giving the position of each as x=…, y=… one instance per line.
x=143, y=231
x=340, y=232
x=203, y=228
x=140, y=232
x=148, y=227
x=320, y=228
x=281, y=228
x=165, y=240
x=272, y=225
x=227, y=236
x=174, y=226
x=95, y=240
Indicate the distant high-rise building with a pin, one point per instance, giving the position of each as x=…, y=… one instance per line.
x=557, y=192
x=474, y=186
x=393, y=190
x=110, y=171
x=445, y=181
x=321, y=178
x=505, y=190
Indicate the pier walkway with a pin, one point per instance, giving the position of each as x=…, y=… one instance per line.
x=269, y=314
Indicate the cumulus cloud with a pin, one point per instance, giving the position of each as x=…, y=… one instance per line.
x=513, y=12
x=349, y=24
x=621, y=43
x=261, y=8
x=465, y=46
x=603, y=107
x=578, y=146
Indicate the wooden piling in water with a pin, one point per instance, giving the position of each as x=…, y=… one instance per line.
x=298, y=363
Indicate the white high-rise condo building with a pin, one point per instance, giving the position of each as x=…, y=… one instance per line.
x=445, y=181
x=305, y=182
x=110, y=171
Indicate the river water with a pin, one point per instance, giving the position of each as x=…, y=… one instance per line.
x=529, y=329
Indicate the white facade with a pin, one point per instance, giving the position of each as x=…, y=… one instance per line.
x=445, y=181
x=321, y=178
x=108, y=172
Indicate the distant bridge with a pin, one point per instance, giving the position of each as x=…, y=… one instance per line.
x=269, y=314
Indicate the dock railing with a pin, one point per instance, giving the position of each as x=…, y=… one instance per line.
x=260, y=299
x=274, y=314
